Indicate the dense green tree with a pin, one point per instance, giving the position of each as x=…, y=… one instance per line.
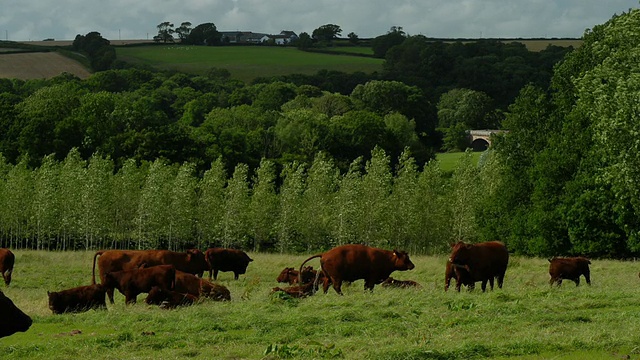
x=204, y=34
x=165, y=32
x=291, y=208
x=319, y=203
x=183, y=31
x=263, y=207
x=382, y=44
x=183, y=205
x=326, y=33
x=235, y=226
x=375, y=229
x=210, y=208
x=97, y=205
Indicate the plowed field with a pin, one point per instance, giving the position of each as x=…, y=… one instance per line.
x=44, y=65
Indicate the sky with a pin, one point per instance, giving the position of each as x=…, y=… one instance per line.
x=23, y=20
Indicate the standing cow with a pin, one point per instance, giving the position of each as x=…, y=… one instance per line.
x=354, y=262
x=569, y=268
x=220, y=259
x=12, y=319
x=133, y=282
x=484, y=261
x=7, y=259
x=191, y=261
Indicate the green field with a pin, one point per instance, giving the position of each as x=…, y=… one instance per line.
x=449, y=161
x=245, y=62
x=527, y=319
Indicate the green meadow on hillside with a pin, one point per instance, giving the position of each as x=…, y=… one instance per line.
x=449, y=161
x=245, y=62
x=527, y=319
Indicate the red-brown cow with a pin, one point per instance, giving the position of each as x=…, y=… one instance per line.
x=7, y=259
x=191, y=261
x=484, y=261
x=460, y=274
x=288, y=275
x=569, y=268
x=299, y=291
x=190, y=284
x=169, y=299
x=220, y=259
x=12, y=319
x=391, y=282
x=133, y=282
x=355, y=262
x=78, y=299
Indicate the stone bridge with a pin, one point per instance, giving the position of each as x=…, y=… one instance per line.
x=480, y=140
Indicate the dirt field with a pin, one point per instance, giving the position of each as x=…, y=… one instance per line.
x=39, y=66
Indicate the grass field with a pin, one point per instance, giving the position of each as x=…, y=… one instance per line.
x=40, y=65
x=245, y=62
x=527, y=319
x=449, y=161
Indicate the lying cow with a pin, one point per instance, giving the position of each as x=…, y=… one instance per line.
x=77, y=299
x=569, y=268
x=288, y=275
x=133, y=282
x=298, y=291
x=391, y=282
x=354, y=262
x=169, y=299
x=12, y=319
x=190, y=284
x=484, y=261
x=219, y=259
x=7, y=259
x=191, y=261
x=460, y=274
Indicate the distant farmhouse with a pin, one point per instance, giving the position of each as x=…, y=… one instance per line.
x=248, y=37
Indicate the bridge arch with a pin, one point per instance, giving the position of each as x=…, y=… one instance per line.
x=480, y=140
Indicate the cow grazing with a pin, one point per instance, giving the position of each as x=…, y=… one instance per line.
x=169, y=299
x=7, y=259
x=298, y=291
x=77, y=299
x=569, y=268
x=191, y=261
x=133, y=282
x=484, y=261
x=12, y=319
x=220, y=259
x=354, y=262
x=391, y=282
x=460, y=274
x=190, y=284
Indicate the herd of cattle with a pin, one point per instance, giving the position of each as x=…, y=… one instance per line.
x=176, y=278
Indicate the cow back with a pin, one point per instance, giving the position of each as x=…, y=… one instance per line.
x=482, y=260
x=354, y=262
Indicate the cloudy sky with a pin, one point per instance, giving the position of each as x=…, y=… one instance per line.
x=22, y=20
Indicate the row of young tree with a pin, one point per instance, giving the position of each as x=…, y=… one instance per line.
x=78, y=204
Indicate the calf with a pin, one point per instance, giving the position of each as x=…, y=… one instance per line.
x=133, y=282
x=190, y=284
x=288, y=275
x=483, y=261
x=7, y=259
x=460, y=274
x=219, y=259
x=391, y=282
x=12, y=319
x=78, y=299
x=169, y=299
x=299, y=291
x=569, y=268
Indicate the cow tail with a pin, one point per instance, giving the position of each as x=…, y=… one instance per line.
x=300, y=270
x=93, y=274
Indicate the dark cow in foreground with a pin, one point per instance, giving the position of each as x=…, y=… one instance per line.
x=354, y=262
x=484, y=261
x=190, y=284
x=133, y=282
x=191, y=261
x=78, y=299
x=391, y=282
x=220, y=259
x=298, y=291
x=7, y=259
x=569, y=268
x=12, y=319
x=169, y=299
x=460, y=274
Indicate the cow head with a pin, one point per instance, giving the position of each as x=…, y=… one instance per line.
x=12, y=319
x=286, y=274
x=197, y=259
x=53, y=300
x=402, y=261
x=460, y=254
x=7, y=277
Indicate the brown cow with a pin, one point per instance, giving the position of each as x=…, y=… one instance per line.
x=133, y=282
x=190, y=284
x=169, y=299
x=12, y=319
x=78, y=299
x=191, y=261
x=7, y=259
x=484, y=261
x=220, y=259
x=460, y=274
x=291, y=276
x=391, y=282
x=569, y=268
x=354, y=262
x=299, y=291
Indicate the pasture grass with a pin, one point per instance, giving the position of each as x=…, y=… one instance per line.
x=450, y=160
x=245, y=62
x=527, y=319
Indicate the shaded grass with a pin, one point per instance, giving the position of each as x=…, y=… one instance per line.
x=449, y=161
x=527, y=319
x=245, y=62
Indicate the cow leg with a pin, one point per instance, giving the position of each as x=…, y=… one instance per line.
x=587, y=278
x=491, y=282
x=215, y=274
x=110, y=295
x=337, y=285
x=369, y=284
x=500, y=280
x=484, y=285
x=458, y=285
x=210, y=272
x=577, y=281
x=236, y=275
x=130, y=298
